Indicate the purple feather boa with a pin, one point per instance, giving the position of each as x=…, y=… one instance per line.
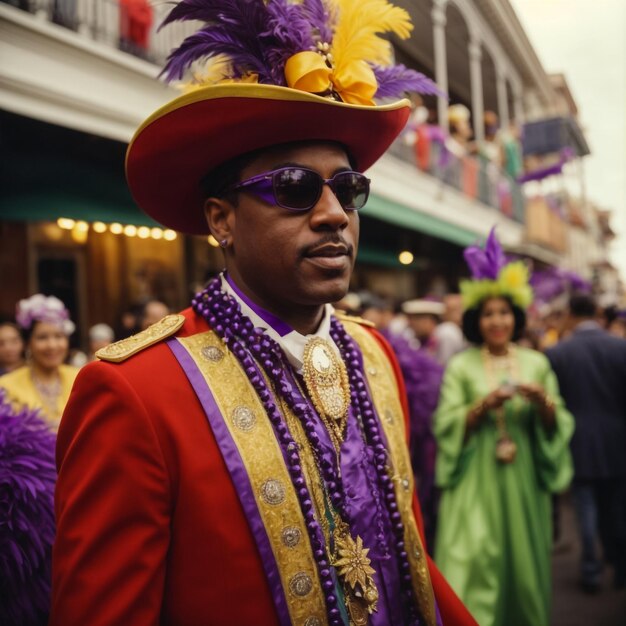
x=422, y=377
x=27, y=479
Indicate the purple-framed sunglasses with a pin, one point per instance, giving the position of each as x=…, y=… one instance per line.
x=299, y=188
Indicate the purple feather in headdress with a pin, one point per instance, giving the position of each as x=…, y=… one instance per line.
x=202, y=10
x=320, y=18
x=486, y=263
x=235, y=28
x=210, y=42
x=397, y=80
x=292, y=30
x=296, y=27
x=27, y=478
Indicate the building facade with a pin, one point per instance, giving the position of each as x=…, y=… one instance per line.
x=78, y=76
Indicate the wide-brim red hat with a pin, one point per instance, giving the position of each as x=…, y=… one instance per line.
x=177, y=146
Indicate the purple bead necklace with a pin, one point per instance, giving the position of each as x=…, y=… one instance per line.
x=258, y=353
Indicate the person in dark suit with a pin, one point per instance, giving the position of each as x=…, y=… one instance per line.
x=591, y=369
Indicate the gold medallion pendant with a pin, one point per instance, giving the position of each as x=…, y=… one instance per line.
x=326, y=381
x=502, y=372
x=506, y=449
x=353, y=567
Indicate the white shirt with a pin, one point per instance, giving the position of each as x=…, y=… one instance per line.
x=293, y=342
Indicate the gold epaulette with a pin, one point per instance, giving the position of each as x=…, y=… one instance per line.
x=125, y=348
x=344, y=317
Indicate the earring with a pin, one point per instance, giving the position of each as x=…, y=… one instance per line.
x=223, y=243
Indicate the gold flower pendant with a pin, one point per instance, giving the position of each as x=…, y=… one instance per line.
x=353, y=566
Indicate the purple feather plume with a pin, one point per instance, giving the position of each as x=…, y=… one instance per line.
x=210, y=42
x=212, y=11
x=291, y=30
x=320, y=19
x=27, y=478
x=295, y=27
x=235, y=27
x=397, y=80
x=486, y=263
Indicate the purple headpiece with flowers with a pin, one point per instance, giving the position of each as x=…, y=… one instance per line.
x=40, y=308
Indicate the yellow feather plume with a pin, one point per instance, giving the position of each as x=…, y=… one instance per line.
x=214, y=71
x=359, y=24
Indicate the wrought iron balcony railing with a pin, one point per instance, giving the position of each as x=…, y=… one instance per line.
x=129, y=25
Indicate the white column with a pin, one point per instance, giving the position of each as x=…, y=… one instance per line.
x=476, y=79
x=503, y=102
x=518, y=106
x=438, y=15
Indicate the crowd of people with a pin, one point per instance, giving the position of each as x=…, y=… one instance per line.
x=492, y=421
x=487, y=169
x=37, y=365
x=518, y=402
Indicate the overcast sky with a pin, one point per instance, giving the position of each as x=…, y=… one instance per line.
x=586, y=41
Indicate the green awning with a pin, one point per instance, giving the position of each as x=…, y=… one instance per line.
x=42, y=188
x=406, y=217
x=381, y=258
x=48, y=208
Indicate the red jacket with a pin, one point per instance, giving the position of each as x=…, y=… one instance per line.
x=149, y=526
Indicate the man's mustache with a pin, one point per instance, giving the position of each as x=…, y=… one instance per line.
x=331, y=239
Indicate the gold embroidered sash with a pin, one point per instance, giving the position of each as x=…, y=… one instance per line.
x=274, y=493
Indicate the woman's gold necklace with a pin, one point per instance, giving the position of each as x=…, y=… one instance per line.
x=499, y=370
x=49, y=394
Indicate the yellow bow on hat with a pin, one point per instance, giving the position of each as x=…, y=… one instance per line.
x=355, y=83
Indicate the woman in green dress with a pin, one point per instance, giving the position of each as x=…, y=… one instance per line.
x=503, y=448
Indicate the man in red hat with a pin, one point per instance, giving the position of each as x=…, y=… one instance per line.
x=246, y=461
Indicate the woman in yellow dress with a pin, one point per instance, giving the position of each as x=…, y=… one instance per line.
x=45, y=382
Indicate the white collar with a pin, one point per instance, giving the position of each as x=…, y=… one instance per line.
x=293, y=342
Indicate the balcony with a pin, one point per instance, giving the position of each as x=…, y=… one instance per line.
x=128, y=25
x=474, y=177
x=550, y=136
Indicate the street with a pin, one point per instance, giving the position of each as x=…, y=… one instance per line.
x=571, y=606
